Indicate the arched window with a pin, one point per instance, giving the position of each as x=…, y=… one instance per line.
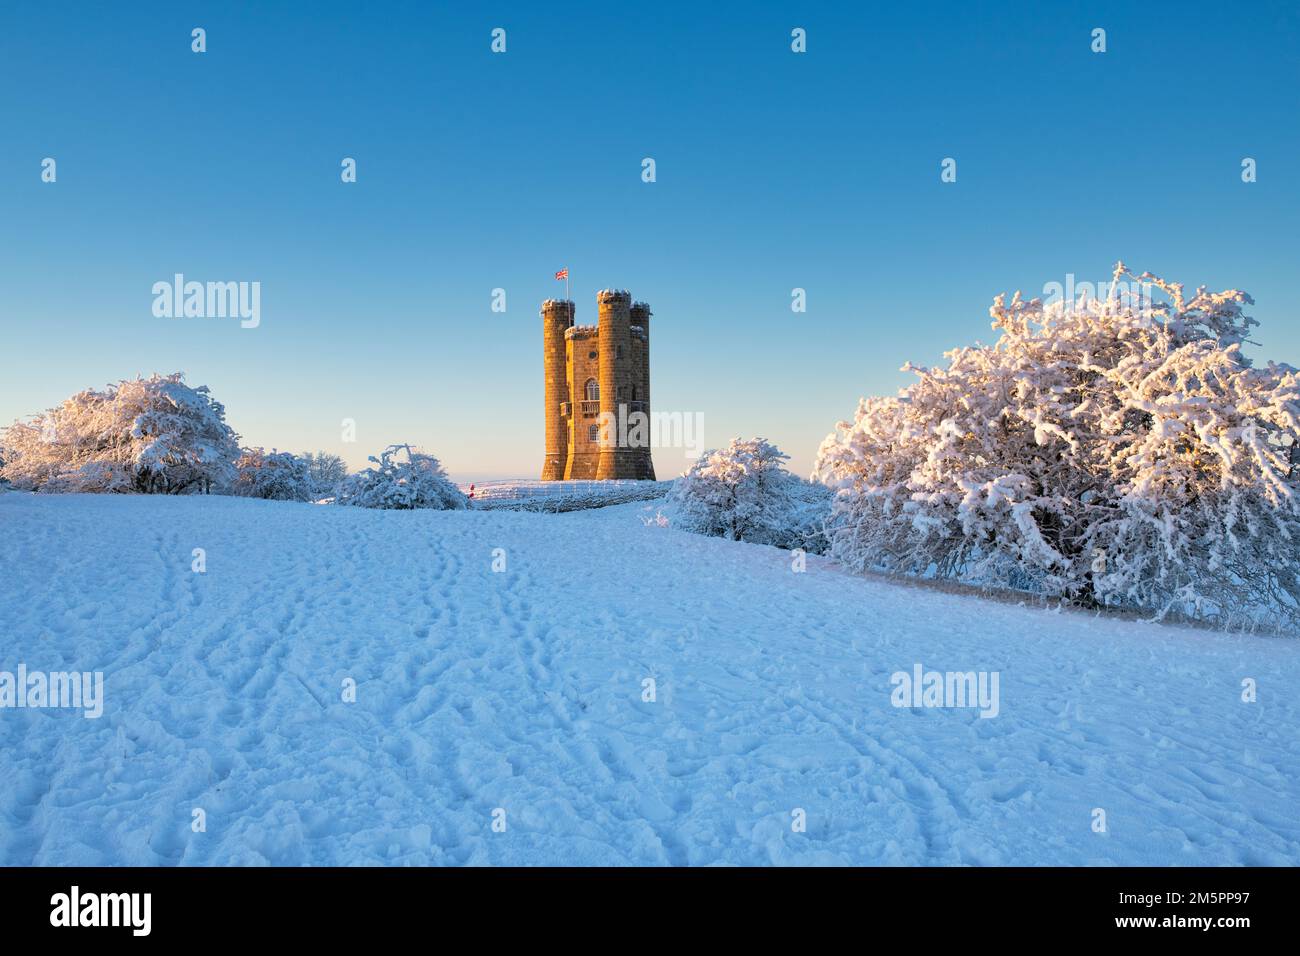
x=593, y=390
x=593, y=433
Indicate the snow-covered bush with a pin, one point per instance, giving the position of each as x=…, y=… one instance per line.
x=275, y=474
x=744, y=493
x=417, y=482
x=326, y=472
x=154, y=435
x=1110, y=452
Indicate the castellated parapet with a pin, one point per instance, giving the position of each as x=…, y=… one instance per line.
x=597, y=379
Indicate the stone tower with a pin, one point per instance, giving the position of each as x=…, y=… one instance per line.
x=557, y=318
x=597, y=390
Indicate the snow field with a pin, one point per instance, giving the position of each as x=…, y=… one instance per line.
x=522, y=690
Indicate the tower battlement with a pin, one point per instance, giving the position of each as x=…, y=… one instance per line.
x=596, y=378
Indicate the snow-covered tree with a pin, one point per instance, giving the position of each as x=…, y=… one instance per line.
x=744, y=493
x=327, y=473
x=275, y=474
x=1114, y=452
x=154, y=435
x=416, y=482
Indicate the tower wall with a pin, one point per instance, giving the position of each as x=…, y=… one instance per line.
x=557, y=317
x=614, y=307
x=583, y=366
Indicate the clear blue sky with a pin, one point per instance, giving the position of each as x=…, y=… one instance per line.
x=479, y=171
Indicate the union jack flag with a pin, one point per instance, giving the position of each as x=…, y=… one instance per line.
x=562, y=274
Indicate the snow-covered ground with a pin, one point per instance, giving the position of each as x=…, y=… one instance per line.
x=522, y=690
x=560, y=496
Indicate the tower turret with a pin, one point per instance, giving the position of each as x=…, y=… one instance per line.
x=614, y=307
x=557, y=318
